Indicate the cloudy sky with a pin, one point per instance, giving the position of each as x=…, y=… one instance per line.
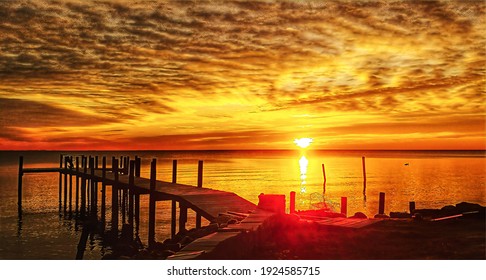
x=120, y=74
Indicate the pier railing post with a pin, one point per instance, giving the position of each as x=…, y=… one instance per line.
x=131, y=190
x=103, y=191
x=93, y=188
x=138, y=164
x=174, y=203
x=114, y=197
x=60, y=182
x=199, y=185
x=65, y=183
x=77, y=185
x=381, y=208
x=152, y=203
x=21, y=174
x=83, y=186
x=71, y=189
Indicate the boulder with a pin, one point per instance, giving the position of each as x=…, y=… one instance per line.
x=359, y=215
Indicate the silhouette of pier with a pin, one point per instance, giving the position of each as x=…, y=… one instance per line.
x=92, y=178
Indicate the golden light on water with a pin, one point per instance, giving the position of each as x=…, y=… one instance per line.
x=303, y=142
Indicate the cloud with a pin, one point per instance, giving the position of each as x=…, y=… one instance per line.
x=134, y=66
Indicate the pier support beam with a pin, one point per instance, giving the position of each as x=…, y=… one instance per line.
x=411, y=206
x=114, y=198
x=182, y=218
x=65, y=183
x=152, y=203
x=60, y=182
x=103, y=192
x=174, y=206
x=77, y=185
x=131, y=190
x=83, y=186
x=199, y=185
x=19, y=190
x=71, y=190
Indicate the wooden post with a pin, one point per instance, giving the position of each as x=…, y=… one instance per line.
x=65, y=184
x=182, y=218
x=93, y=188
x=83, y=186
x=103, y=190
x=77, y=185
x=60, y=182
x=174, y=171
x=411, y=207
x=381, y=208
x=325, y=179
x=114, y=198
x=152, y=203
x=131, y=190
x=21, y=174
x=126, y=167
x=96, y=162
x=173, y=219
x=199, y=185
x=138, y=163
x=174, y=206
x=137, y=196
x=71, y=189
x=292, y=202
x=344, y=206
x=364, y=174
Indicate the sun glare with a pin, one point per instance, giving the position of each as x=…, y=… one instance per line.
x=303, y=142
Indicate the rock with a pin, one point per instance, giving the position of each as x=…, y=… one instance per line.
x=167, y=253
x=232, y=222
x=400, y=215
x=359, y=215
x=468, y=207
x=449, y=210
x=173, y=247
x=186, y=240
x=381, y=216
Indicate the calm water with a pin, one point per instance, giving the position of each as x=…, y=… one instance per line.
x=432, y=179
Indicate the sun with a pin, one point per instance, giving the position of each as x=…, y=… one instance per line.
x=303, y=142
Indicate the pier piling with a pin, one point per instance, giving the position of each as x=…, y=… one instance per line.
x=114, y=198
x=19, y=190
x=199, y=185
x=152, y=203
x=60, y=182
x=77, y=186
x=103, y=191
x=411, y=206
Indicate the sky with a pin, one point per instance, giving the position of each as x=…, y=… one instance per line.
x=184, y=75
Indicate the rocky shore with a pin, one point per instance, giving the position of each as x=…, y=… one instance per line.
x=418, y=235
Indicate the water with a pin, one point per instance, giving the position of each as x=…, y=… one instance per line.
x=430, y=178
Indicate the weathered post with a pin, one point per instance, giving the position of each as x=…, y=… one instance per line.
x=103, y=190
x=182, y=217
x=412, y=207
x=93, y=188
x=65, y=183
x=364, y=173
x=131, y=190
x=60, y=182
x=344, y=206
x=114, y=198
x=152, y=203
x=174, y=205
x=138, y=164
x=324, y=178
x=21, y=174
x=83, y=186
x=381, y=208
x=77, y=185
x=292, y=202
x=199, y=185
x=71, y=189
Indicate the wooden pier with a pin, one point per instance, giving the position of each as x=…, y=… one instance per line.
x=126, y=188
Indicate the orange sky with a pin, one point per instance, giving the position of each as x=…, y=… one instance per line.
x=122, y=74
